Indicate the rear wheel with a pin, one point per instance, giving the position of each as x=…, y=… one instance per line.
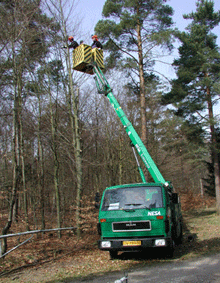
x=113, y=254
x=178, y=239
x=170, y=250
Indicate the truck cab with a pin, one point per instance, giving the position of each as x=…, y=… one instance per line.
x=136, y=217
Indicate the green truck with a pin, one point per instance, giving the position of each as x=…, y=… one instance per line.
x=136, y=217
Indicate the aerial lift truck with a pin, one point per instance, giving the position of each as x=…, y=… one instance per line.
x=132, y=217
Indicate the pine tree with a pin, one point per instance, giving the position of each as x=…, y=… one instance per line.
x=197, y=85
x=131, y=30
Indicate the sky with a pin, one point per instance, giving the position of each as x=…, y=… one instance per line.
x=91, y=13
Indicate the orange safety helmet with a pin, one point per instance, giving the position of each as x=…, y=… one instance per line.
x=70, y=38
x=95, y=37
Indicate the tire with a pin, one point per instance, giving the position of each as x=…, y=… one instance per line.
x=170, y=250
x=179, y=240
x=113, y=254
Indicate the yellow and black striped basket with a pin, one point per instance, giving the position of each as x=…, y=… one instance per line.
x=82, y=59
x=84, y=56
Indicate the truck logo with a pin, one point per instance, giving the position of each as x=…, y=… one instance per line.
x=130, y=224
x=153, y=213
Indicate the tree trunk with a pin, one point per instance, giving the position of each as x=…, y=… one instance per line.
x=74, y=121
x=21, y=146
x=142, y=86
x=40, y=169
x=15, y=174
x=217, y=182
x=56, y=164
x=214, y=151
x=120, y=160
x=78, y=158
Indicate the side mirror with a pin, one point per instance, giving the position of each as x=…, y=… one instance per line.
x=175, y=198
x=97, y=200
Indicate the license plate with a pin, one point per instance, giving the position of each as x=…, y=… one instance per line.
x=131, y=243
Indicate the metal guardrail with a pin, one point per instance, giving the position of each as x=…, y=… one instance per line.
x=122, y=280
x=28, y=233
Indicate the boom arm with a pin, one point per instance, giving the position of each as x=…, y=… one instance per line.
x=104, y=88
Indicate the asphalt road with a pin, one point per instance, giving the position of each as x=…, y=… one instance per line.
x=201, y=270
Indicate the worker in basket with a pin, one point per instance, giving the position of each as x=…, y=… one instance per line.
x=96, y=43
x=73, y=44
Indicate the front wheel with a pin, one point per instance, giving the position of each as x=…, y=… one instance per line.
x=170, y=250
x=113, y=254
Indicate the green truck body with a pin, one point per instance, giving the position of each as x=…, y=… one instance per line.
x=137, y=216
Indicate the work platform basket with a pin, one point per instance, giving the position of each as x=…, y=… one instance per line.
x=84, y=57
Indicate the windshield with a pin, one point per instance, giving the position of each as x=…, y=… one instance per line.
x=133, y=198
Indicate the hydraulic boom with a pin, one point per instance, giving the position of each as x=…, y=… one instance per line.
x=104, y=88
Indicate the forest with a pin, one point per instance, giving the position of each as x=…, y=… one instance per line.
x=61, y=141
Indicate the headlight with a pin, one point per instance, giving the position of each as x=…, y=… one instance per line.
x=160, y=243
x=105, y=244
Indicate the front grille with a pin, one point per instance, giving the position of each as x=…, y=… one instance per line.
x=131, y=226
